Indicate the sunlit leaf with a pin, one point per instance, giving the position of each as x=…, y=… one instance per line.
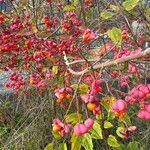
x=106, y=14
x=125, y=119
x=112, y=141
x=147, y=12
x=83, y=88
x=115, y=35
x=87, y=142
x=107, y=124
x=34, y=29
x=55, y=70
x=76, y=142
x=49, y=146
x=114, y=7
x=56, y=135
x=133, y=146
x=69, y=8
x=107, y=102
x=73, y=118
x=96, y=131
x=62, y=146
x=119, y=131
x=130, y=4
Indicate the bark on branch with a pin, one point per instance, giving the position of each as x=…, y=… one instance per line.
x=108, y=63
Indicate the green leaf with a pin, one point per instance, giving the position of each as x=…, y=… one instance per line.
x=75, y=2
x=76, y=142
x=96, y=131
x=119, y=131
x=106, y=14
x=55, y=70
x=56, y=135
x=83, y=88
x=133, y=146
x=74, y=86
x=125, y=119
x=107, y=102
x=130, y=4
x=121, y=147
x=112, y=141
x=73, y=118
x=115, y=35
x=69, y=8
x=49, y=146
x=87, y=142
x=62, y=146
x=107, y=124
x=88, y=13
x=110, y=115
x=114, y=7
x=147, y=12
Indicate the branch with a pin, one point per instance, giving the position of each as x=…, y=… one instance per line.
x=107, y=63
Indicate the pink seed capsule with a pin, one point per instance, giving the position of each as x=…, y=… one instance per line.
x=89, y=123
x=77, y=130
x=83, y=128
x=141, y=94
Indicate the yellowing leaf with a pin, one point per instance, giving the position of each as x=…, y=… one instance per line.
x=147, y=12
x=119, y=131
x=49, y=146
x=106, y=14
x=115, y=35
x=112, y=141
x=114, y=7
x=108, y=124
x=73, y=118
x=76, y=142
x=83, y=88
x=96, y=131
x=55, y=70
x=34, y=29
x=57, y=135
x=130, y=4
x=62, y=146
x=69, y=8
x=87, y=142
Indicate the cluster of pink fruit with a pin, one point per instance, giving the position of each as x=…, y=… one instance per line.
x=63, y=93
x=60, y=127
x=82, y=128
x=126, y=52
x=132, y=69
x=140, y=94
x=16, y=81
x=79, y=129
x=91, y=99
x=124, y=80
x=37, y=81
x=119, y=107
x=144, y=113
